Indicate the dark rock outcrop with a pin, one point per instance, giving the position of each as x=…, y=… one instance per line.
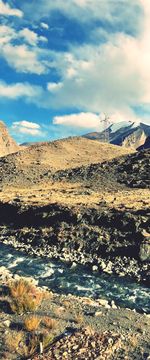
x=112, y=240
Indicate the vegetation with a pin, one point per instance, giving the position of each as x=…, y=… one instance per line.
x=32, y=323
x=25, y=297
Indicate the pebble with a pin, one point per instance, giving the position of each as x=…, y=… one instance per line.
x=95, y=268
x=7, y=323
x=103, y=302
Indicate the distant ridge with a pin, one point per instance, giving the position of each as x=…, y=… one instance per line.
x=125, y=134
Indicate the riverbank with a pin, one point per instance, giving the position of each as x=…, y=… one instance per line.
x=116, y=333
x=106, y=232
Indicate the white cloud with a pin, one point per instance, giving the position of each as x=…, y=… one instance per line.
x=85, y=10
x=52, y=87
x=26, y=127
x=6, y=34
x=6, y=10
x=27, y=124
x=28, y=57
x=44, y=25
x=23, y=59
x=113, y=77
x=31, y=37
x=15, y=91
x=82, y=120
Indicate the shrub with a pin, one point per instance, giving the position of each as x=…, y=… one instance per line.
x=79, y=318
x=24, y=296
x=32, y=323
x=50, y=323
x=13, y=339
x=47, y=339
x=29, y=347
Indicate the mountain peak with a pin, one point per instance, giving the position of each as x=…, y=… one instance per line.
x=125, y=133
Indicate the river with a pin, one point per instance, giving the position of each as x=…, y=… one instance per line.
x=78, y=280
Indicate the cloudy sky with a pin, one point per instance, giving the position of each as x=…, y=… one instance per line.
x=64, y=63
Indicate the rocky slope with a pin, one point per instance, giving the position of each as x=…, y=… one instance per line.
x=7, y=144
x=131, y=171
x=38, y=162
x=124, y=134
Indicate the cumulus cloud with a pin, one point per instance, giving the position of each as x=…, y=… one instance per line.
x=27, y=57
x=18, y=90
x=26, y=127
x=53, y=87
x=112, y=77
x=6, y=10
x=23, y=59
x=82, y=120
x=31, y=37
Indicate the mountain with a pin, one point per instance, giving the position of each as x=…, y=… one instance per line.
x=126, y=134
x=36, y=163
x=7, y=144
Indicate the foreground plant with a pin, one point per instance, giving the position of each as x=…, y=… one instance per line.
x=24, y=296
x=32, y=323
x=49, y=322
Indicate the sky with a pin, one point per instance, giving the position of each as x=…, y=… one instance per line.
x=65, y=63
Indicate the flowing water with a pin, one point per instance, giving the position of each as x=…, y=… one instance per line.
x=79, y=281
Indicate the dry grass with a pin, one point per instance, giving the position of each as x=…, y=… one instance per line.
x=49, y=322
x=24, y=296
x=79, y=318
x=73, y=194
x=28, y=348
x=13, y=340
x=47, y=338
x=59, y=311
x=133, y=340
x=32, y=323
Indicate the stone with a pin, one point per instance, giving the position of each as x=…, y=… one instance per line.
x=7, y=323
x=98, y=313
x=103, y=302
x=145, y=251
x=95, y=268
x=113, y=305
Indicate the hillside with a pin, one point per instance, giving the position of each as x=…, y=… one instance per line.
x=130, y=170
x=124, y=134
x=7, y=144
x=39, y=161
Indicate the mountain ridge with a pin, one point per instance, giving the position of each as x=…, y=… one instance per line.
x=129, y=134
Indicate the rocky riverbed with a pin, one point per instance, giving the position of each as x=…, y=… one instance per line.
x=103, y=238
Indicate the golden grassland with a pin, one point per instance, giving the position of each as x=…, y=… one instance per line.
x=75, y=194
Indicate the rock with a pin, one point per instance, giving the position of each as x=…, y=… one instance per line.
x=113, y=305
x=98, y=313
x=145, y=251
x=103, y=302
x=7, y=323
x=95, y=268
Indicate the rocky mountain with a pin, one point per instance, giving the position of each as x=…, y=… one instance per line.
x=126, y=134
x=7, y=144
x=38, y=162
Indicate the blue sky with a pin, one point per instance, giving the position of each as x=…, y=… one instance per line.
x=64, y=63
